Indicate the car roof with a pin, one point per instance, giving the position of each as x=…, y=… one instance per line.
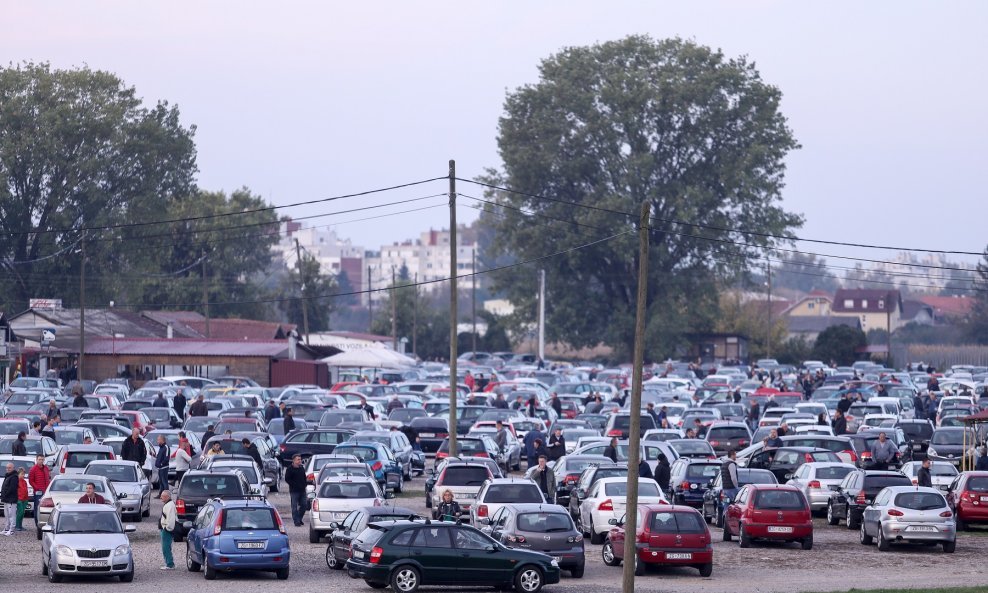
x=774, y=487
x=114, y=462
x=924, y=489
x=86, y=448
x=511, y=480
x=538, y=507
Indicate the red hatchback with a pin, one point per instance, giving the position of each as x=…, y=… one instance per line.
x=968, y=497
x=769, y=511
x=666, y=535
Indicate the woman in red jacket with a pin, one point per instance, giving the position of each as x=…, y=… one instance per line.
x=21, y=499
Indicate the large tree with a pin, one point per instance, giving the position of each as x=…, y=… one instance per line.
x=977, y=322
x=695, y=134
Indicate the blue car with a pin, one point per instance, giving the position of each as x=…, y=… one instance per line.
x=240, y=534
x=379, y=458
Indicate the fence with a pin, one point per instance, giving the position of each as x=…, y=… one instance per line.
x=939, y=355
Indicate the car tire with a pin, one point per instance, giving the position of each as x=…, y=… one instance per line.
x=44, y=569
x=607, y=554
x=743, y=539
x=596, y=538
x=639, y=567
x=331, y=561
x=127, y=577
x=38, y=533
x=313, y=534
x=883, y=544
x=706, y=569
x=282, y=574
x=190, y=562
x=832, y=519
x=147, y=513
x=405, y=579
x=209, y=572
x=401, y=484
x=529, y=579
x=577, y=573
x=52, y=577
x=960, y=524
x=726, y=533
x=949, y=547
x=864, y=538
x=852, y=522
x=807, y=543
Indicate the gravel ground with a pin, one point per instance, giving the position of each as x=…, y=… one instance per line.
x=837, y=562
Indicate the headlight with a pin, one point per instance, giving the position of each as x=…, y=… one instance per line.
x=64, y=551
x=554, y=563
x=931, y=451
x=121, y=550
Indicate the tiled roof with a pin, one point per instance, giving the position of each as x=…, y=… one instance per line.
x=890, y=300
x=186, y=347
x=949, y=306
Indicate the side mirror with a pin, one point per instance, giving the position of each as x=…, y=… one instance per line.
x=130, y=528
x=334, y=525
x=187, y=525
x=121, y=496
x=269, y=481
x=487, y=521
x=612, y=521
x=389, y=495
x=47, y=528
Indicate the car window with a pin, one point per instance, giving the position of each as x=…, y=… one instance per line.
x=977, y=484
x=832, y=473
x=115, y=473
x=513, y=493
x=211, y=485
x=621, y=489
x=920, y=501
x=432, y=537
x=361, y=453
x=347, y=490
x=404, y=538
x=465, y=476
x=779, y=500
x=786, y=457
x=677, y=523
x=88, y=522
x=702, y=471
x=467, y=539
x=247, y=519
x=75, y=485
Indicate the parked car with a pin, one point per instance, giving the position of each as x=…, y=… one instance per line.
x=342, y=533
x=716, y=498
x=408, y=554
x=951, y=444
x=73, y=459
x=567, y=471
x=338, y=497
x=129, y=482
x=693, y=448
x=942, y=473
x=308, y=442
x=906, y=514
x=236, y=534
x=431, y=432
x=463, y=479
x=619, y=424
x=379, y=459
x=785, y=461
x=725, y=436
x=479, y=446
x=858, y=490
x=199, y=487
x=540, y=528
x=86, y=540
x=818, y=480
x=498, y=492
x=396, y=441
x=245, y=465
x=606, y=500
x=591, y=474
x=689, y=480
x=665, y=536
x=770, y=512
x=68, y=489
x=34, y=445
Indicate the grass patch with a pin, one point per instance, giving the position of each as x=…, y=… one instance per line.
x=899, y=590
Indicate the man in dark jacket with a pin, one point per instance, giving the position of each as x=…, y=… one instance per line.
x=18, y=449
x=644, y=469
x=208, y=435
x=295, y=478
x=840, y=423
x=556, y=447
x=133, y=449
x=556, y=405
x=78, y=401
x=288, y=424
x=662, y=473
x=982, y=463
x=754, y=413
x=179, y=402
x=199, y=407
x=923, y=476
x=610, y=451
x=251, y=450
x=160, y=401
x=729, y=471
x=8, y=496
x=844, y=404
x=161, y=464
x=271, y=411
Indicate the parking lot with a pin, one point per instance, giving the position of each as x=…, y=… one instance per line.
x=837, y=562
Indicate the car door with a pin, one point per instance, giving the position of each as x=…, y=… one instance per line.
x=475, y=562
x=783, y=464
x=199, y=529
x=341, y=544
x=732, y=517
x=872, y=513
x=585, y=506
x=846, y=490
x=432, y=549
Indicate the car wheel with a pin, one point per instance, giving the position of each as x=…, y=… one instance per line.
x=883, y=544
x=282, y=574
x=596, y=538
x=832, y=519
x=331, y=560
x=579, y=525
x=127, y=577
x=405, y=579
x=961, y=524
x=44, y=569
x=743, y=538
x=950, y=546
x=137, y=517
x=706, y=569
x=209, y=572
x=865, y=539
x=727, y=532
x=313, y=534
x=639, y=567
x=190, y=561
x=852, y=521
x=147, y=513
x=607, y=554
x=529, y=580
x=52, y=577
x=807, y=543
x=577, y=573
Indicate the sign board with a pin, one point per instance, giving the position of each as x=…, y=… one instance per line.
x=48, y=335
x=49, y=304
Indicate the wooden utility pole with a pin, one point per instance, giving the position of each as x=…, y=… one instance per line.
x=634, y=430
x=370, y=302
x=473, y=295
x=768, y=342
x=415, y=314
x=82, y=311
x=394, y=311
x=205, y=292
x=301, y=298
x=541, y=315
x=453, y=383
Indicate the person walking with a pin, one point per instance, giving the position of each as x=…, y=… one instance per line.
x=22, y=499
x=251, y=450
x=882, y=452
x=39, y=477
x=17, y=449
x=924, y=477
x=295, y=478
x=161, y=464
x=449, y=509
x=546, y=479
x=160, y=401
x=78, y=400
x=166, y=525
x=199, y=407
x=839, y=424
x=982, y=464
x=501, y=440
x=8, y=496
x=288, y=424
x=133, y=448
x=179, y=403
x=530, y=437
x=556, y=405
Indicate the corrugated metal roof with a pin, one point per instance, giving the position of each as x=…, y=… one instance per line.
x=187, y=347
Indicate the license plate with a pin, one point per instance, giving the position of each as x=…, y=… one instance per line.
x=917, y=447
x=358, y=554
x=250, y=545
x=470, y=496
x=984, y=499
x=427, y=435
x=679, y=556
x=92, y=563
x=779, y=529
x=921, y=528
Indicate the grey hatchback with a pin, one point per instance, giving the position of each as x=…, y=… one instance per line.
x=542, y=528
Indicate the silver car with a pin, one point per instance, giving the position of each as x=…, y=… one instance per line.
x=69, y=489
x=818, y=479
x=132, y=487
x=909, y=514
x=86, y=540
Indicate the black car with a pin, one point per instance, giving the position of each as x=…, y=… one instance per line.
x=467, y=416
x=309, y=441
x=784, y=461
x=857, y=491
x=716, y=499
x=568, y=471
x=407, y=554
x=689, y=480
x=952, y=444
x=865, y=438
x=588, y=478
x=198, y=487
x=343, y=533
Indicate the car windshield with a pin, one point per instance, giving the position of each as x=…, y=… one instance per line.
x=677, y=523
x=199, y=423
x=465, y=476
x=75, y=485
x=781, y=500
x=952, y=437
x=336, y=417
x=25, y=398
x=699, y=471
x=832, y=473
x=545, y=522
x=879, y=482
x=81, y=459
x=114, y=473
x=69, y=437
x=687, y=447
x=249, y=519
x=977, y=484
x=33, y=446
x=347, y=490
x=247, y=469
x=621, y=489
x=88, y=522
x=755, y=476
x=624, y=422
x=726, y=433
x=211, y=485
x=943, y=469
x=920, y=501
x=361, y=453
x=352, y=469
x=513, y=493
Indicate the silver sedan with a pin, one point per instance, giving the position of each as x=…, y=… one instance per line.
x=86, y=540
x=903, y=514
x=818, y=479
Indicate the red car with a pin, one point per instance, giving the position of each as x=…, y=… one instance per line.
x=771, y=512
x=968, y=497
x=666, y=535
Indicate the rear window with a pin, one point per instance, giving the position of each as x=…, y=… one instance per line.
x=361, y=453
x=978, y=484
x=338, y=417
x=347, y=490
x=344, y=471
x=80, y=460
x=917, y=430
x=213, y=485
x=832, y=473
x=369, y=536
x=465, y=476
x=621, y=422
x=879, y=482
x=621, y=489
x=75, y=485
x=513, y=493
x=114, y=473
x=779, y=500
x=691, y=447
x=467, y=446
x=920, y=501
x=611, y=472
x=727, y=433
x=545, y=522
x=677, y=523
x=69, y=437
x=702, y=470
x=249, y=519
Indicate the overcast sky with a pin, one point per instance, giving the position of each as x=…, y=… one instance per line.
x=304, y=100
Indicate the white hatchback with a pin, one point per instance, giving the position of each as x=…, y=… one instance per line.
x=607, y=500
x=336, y=497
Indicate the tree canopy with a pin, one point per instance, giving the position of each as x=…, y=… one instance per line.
x=697, y=135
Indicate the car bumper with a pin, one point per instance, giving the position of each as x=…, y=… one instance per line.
x=973, y=513
x=819, y=499
x=249, y=561
x=675, y=556
x=768, y=531
x=567, y=558
x=693, y=498
x=114, y=566
x=367, y=571
x=905, y=531
x=320, y=521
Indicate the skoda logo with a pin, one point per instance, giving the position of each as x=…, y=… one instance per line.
x=93, y=550
x=546, y=537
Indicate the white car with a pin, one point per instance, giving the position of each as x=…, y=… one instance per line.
x=941, y=472
x=607, y=499
x=818, y=479
x=814, y=429
x=68, y=489
x=336, y=497
x=498, y=492
x=247, y=467
x=772, y=416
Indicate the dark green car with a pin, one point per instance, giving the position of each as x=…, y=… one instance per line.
x=408, y=554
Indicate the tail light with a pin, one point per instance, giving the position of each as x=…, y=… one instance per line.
x=377, y=466
x=310, y=478
x=281, y=524
x=714, y=443
x=282, y=447
x=723, y=497
x=443, y=435
x=808, y=458
x=482, y=510
x=376, y=553
x=614, y=433
x=219, y=523
x=180, y=506
x=749, y=513
x=861, y=500
x=574, y=539
x=482, y=454
x=61, y=468
x=946, y=514
x=47, y=503
x=571, y=479
x=895, y=513
x=607, y=505
x=685, y=485
x=742, y=442
x=815, y=484
x=966, y=496
x=850, y=453
x=377, y=502
x=442, y=455
x=516, y=539
x=865, y=455
x=112, y=456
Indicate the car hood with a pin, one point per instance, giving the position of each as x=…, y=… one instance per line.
x=100, y=541
x=345, y=504
x=131, y=488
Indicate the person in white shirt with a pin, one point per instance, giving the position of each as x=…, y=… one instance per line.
x=169, y=517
